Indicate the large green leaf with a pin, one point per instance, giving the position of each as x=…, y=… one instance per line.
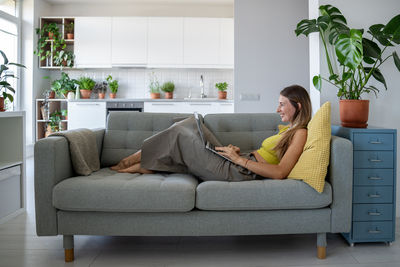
x=17, y=64
x=317, y=82
x=376, y=31
x=349, y=49
x=306, y=26
x=370, y=49
x=368, y=60
x=4, y=57
x=396, y=60
x=392, y=26
x=377, y=74
x=337, y=22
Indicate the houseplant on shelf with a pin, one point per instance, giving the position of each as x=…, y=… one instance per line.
x=168, y=88
x=359, y=58
x=113, y=84
x=86, y=85
x=222, y=90
x=154, y=86
x=51, y=32
x=6, y=90
x=69, y=30
x=64, y=85
x=54, y=124
x=64, y=58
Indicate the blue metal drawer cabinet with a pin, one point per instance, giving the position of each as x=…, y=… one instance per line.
x=374, y=183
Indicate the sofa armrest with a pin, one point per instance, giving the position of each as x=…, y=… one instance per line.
x=340, y=176
x=52, y=165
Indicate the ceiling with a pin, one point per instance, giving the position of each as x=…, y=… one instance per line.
x=208, y=2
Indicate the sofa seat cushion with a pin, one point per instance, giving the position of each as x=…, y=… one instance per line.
x=109, y=191
x=267, y=194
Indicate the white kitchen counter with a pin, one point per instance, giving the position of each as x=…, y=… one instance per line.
x=153, y=100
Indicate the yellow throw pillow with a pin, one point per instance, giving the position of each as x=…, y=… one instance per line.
x=312, y=165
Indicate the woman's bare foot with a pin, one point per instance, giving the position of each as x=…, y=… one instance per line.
x=128, y=161
x=136, y=169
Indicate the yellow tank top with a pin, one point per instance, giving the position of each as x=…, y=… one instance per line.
x=266, y=150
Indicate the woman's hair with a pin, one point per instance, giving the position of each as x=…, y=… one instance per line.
x=296, y=94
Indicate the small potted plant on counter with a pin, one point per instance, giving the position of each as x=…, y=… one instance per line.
x=154, y=86
x=86, y=86
x=101, y=89
x=64, y=85
x=221, y=90
x=168, y=88
x=113, y=84
x=69, y=30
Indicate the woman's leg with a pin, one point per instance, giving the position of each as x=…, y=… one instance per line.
x=128, y=161
x=136, y=168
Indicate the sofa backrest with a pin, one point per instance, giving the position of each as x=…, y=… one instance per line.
x=245, y=130
x=126, y=131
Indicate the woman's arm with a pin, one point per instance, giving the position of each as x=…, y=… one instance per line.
x=279, y=171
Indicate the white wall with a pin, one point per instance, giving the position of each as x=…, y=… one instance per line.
x=268, y=55
x=384, y=110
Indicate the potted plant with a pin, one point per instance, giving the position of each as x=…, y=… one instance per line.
x=113, y=84
x=69, y=30
x=86, y=85
x=101, y=89
x=64, y=114
x=359, y=58
x=64, y=58
x=168, y=88
x=154, y=86
x=54, y=124
x=64, y=85
x=222, y=87
x=6, y=90
x=48, y=31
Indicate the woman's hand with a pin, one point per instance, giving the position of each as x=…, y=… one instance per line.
x=230, y=152
x=237, y=149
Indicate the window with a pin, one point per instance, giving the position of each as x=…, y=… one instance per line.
x=9, y=24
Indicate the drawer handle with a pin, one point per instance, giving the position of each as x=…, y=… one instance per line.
x=376, y=195
x=375, y=160
x=374, y=178
x=375, y=142
x=374, y=231
x=374, y=213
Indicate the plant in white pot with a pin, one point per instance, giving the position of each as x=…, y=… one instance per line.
x=6, y=90
x=354, y=61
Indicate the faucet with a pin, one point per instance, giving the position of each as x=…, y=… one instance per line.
x=202, y=95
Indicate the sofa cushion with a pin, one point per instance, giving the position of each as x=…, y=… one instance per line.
x=246, y=131
x=107, y=190
x=267, y=194
x=127, y=130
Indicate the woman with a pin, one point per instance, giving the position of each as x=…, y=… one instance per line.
x=275, y=159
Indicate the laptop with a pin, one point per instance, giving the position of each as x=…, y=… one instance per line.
x=206, y=143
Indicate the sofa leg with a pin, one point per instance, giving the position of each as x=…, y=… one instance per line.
x=68, y=241
x=321, y=246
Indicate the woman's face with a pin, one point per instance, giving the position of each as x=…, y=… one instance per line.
x=285, y=109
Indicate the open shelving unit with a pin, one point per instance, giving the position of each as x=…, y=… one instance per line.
x=48, y=63
x=43, y=118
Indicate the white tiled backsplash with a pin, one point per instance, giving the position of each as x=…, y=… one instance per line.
x=133, y=83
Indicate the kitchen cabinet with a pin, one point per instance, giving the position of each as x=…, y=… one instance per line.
x=85, y=114
x=12, y=164
x=93, y=42
x=226, y=49
x=201, y=41
x=129, y=41
x=374, y=184
x=165, y=41
x=200, y=107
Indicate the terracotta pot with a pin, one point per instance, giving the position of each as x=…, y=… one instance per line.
x=169, y=95
x=70, y=36
x=222, y=94
x=51, y=35
x=354, y=113
x=154, y=95
x=102, y=95
x=112, y=95
x=52, y=95
x=85, y=94
x=2, y=104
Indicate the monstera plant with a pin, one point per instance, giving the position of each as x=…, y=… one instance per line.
x=356, y=58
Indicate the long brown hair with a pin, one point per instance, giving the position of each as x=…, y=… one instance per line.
x=296, y=94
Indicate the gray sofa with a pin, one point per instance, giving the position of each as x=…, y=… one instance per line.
x=170, y=204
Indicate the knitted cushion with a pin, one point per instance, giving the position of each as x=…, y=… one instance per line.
x=313, y=163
